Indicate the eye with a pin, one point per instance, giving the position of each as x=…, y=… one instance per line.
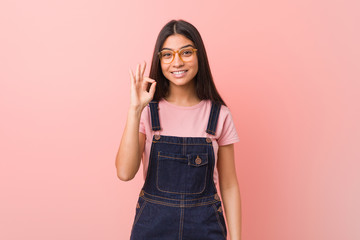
x=187, y=52
x=166, y=55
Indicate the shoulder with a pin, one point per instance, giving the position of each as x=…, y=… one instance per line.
x=224, y=109
x=227, y=130
x=225, y=117
x=224, y=112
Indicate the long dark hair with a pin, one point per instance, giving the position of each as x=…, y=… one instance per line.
x=204, y=83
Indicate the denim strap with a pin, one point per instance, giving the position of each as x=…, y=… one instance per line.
x=213, y=118
x=155, y=123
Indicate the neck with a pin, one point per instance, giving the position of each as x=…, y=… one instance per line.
x=182, y=95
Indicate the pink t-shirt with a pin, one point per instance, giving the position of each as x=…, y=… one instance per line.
x=188, y=122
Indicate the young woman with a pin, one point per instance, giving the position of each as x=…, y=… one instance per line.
x=182, y=130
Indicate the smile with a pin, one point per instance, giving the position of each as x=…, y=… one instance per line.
x=179, y=72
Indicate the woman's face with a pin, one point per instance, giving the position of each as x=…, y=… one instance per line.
x=171, y=70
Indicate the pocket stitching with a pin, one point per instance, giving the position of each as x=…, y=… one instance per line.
x=206, y=161
x=157, y=174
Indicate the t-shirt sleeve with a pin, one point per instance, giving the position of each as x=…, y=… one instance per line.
x=228, y=133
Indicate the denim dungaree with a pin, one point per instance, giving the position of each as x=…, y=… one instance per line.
x=179, y=199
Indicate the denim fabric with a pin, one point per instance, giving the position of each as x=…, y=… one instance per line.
x=179, y=199
x=154, y=115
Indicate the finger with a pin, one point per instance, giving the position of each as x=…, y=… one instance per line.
x=143, y=69
x=146, y=82
x=152, y=89
x=132, y=80
x=137, y=73
x=150, y=80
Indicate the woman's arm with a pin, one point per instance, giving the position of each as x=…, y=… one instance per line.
x=131, y=147
x=132, y=142
x=229, y=189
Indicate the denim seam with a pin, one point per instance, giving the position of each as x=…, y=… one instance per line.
x=211, y=132
x=189, y=159
x=180, y=205
x=171, y=157
x=211, y=196
x=140, y=212
x=149, y=164
x=192, y=144
x=181, y=223
x=218, y=219
x=213, y=169
x=184, y=146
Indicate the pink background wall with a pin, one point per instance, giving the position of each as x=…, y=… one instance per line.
x=289, y=71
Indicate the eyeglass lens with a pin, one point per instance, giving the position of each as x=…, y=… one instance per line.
x=185, y=54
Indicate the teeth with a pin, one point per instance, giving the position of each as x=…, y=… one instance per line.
x=178, y=72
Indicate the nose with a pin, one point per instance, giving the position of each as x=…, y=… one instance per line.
x=177, y=60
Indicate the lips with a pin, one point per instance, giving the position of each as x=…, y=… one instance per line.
x=179, y=74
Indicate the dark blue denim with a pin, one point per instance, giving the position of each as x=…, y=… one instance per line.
x=179, y=199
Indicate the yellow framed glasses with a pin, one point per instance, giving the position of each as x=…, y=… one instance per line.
x=167, y=56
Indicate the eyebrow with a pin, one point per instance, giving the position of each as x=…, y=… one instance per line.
x=189, y=45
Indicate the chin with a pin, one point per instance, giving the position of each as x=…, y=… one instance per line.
x=179, y=81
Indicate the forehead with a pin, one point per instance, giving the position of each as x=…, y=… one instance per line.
x=176, y=42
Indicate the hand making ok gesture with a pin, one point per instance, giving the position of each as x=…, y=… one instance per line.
x=140, y=97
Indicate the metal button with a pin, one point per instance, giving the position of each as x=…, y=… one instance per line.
x=208, y=140
x=198, y=160
x=137, y=205
x=141, y=193
x=220, y=209
x=216, y=196
x=157, y=137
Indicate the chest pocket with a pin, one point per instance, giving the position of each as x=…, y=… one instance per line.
x=185, y=174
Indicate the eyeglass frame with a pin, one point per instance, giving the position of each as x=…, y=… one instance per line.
x=177, y=52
